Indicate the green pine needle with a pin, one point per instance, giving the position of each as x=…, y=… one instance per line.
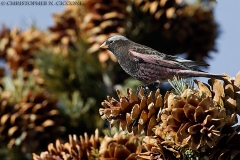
x=17, y=86
x=179, y=85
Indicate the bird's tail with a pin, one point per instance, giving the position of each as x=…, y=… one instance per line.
x=190, y=73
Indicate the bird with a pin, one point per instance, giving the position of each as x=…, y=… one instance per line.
x=148, y=65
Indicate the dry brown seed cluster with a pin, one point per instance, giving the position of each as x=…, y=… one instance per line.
x=226, y=94
x=104, y=19
x=66, y=28
x=135, y=113
x=232, y=94
x=193, y=20
x=31, y=123
x=75, y=149
x=180, y=22
x=18, y=47
x=228, y=146
x=120, y=146
x=5, y=40
x=158, y=149
x=160, y=9
x=194, y=119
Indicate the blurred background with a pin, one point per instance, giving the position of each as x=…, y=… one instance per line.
x=54, y=77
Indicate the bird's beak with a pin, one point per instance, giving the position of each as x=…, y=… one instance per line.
x=104, y=45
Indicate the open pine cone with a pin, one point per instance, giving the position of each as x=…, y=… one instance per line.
x=226, y=94
x=75, y=149
x=135, y=113
x=66, y=28
x=18, y=47
x=5, y=40
x=160, y=9
x=228, y=146
x=231, y=92
x=195, y=119
x=196, y=26
x=158, y=149
x=191, y=28
x=120, y=146
x=104, y=19
x=31, y=123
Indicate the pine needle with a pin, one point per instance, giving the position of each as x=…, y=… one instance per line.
x=179, y=85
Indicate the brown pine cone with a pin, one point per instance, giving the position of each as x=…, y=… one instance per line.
x=75, y=149
x=226, y=94
x=31, y=123
x=190, y=27
x=194, y=119
x=24, y=45
x=158, y=8
x=6, y=36
x=104, y=19
x=232, y=94
x=228, y=146
x=194, y=29
x=18, y=47
x=66, y=28
x=120, y=146
x=159, y=149
x=135, y=113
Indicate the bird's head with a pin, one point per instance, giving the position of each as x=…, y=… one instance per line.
x=114, y=42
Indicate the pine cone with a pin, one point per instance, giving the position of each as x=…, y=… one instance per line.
x=66, y=28
x=18, y=47
x=158, y=8
x=194, y=29
x=21, y=54
x=6, y=110
x=104, y=19
x=5, y=40
x=226, y=95
x=120, y=146
x=195, y=119
x=136, y=113
x=191, y=28
x=232, y=94
x=75, y=149
x=158, y=149
x=31, y=123
x=228, y=146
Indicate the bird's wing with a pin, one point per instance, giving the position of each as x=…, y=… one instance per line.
x=186, y=62
x=149, y=55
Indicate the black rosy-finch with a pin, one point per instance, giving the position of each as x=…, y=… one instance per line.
x=149, y=65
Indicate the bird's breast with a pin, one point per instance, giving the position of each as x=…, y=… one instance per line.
x=129, y=65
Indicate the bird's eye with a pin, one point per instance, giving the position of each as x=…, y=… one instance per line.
x=110, y=41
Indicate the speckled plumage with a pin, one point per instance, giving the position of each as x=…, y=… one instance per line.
x=149, y=65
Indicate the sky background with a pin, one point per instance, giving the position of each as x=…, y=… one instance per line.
x=226, y=60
